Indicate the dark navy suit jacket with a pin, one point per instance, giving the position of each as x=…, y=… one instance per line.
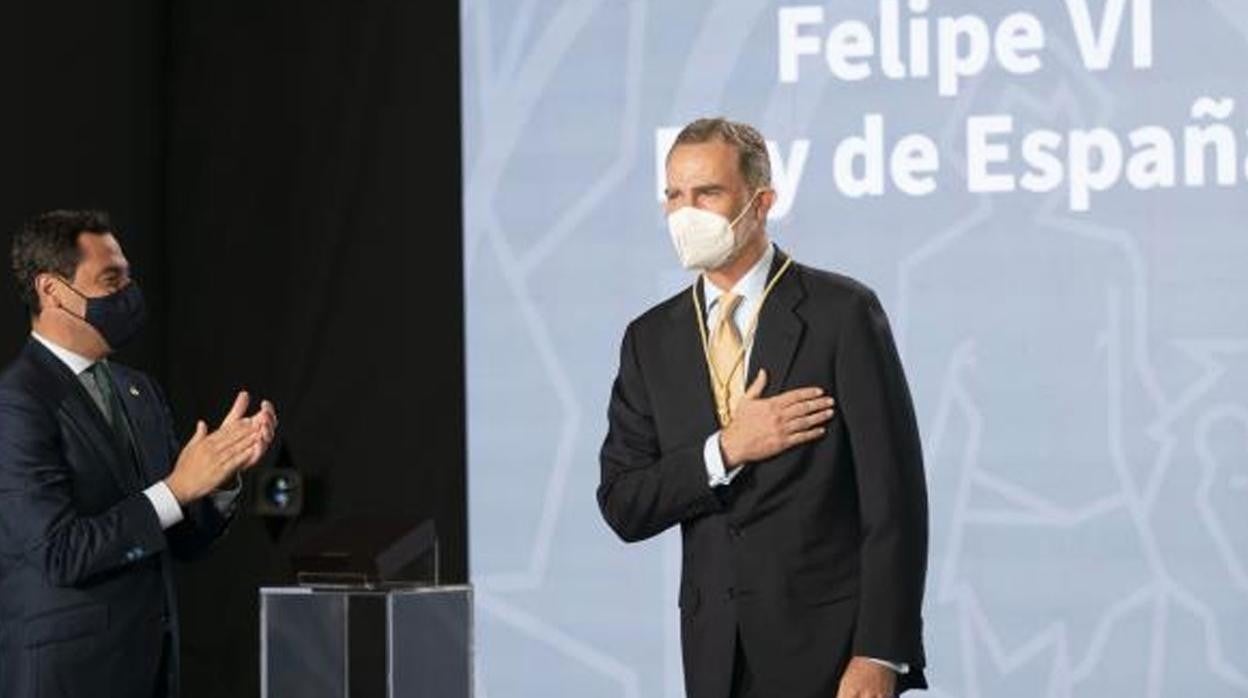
x=811, y=557
x=86, y=581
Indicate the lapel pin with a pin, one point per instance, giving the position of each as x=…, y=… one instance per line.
x=134, y=391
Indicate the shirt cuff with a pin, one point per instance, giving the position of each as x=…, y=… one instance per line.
x=899, y=668
x=225, y=500
x=714, y=460
x=166, y=505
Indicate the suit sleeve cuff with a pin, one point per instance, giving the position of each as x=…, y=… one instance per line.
x=899, y=668
x=716, y=475
x=166, y=505
x=225, y=500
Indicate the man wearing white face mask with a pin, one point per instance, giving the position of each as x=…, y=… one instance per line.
x=765, y=411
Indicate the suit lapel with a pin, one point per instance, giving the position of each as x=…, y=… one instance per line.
x=79, y=408
x=779, y=329
x=134, y=412
x=689, y=380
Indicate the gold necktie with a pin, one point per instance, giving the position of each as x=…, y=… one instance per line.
x=727, y=359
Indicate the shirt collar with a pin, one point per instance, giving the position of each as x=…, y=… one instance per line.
x=76, y=362
x=750, y=287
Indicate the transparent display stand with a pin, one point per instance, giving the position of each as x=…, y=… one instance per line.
x=413, y=642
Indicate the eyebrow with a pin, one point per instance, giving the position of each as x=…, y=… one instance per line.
x=700, y=189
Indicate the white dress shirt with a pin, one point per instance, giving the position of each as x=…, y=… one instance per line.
x=166, y=505
x=750, y=287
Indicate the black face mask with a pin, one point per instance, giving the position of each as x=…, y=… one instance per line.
x=118, y=316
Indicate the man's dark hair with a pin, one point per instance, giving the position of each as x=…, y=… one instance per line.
x=48, y=243
x=751, y=148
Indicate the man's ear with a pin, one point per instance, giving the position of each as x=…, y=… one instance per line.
x=45, y=287
x=766, y=199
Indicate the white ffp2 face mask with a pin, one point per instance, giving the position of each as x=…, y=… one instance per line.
x=705, y=239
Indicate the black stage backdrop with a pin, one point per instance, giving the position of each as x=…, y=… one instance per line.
x=83, y=128
x=287, y=177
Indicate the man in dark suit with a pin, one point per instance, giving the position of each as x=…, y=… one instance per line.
x=96, y=495
x=801, y=498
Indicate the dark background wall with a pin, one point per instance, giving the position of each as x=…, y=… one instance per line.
x=83, y=128
x=287, y=178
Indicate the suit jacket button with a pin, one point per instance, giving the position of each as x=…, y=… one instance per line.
x=731, y=593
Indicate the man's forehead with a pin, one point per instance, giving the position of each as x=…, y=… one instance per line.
x=712, y=159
